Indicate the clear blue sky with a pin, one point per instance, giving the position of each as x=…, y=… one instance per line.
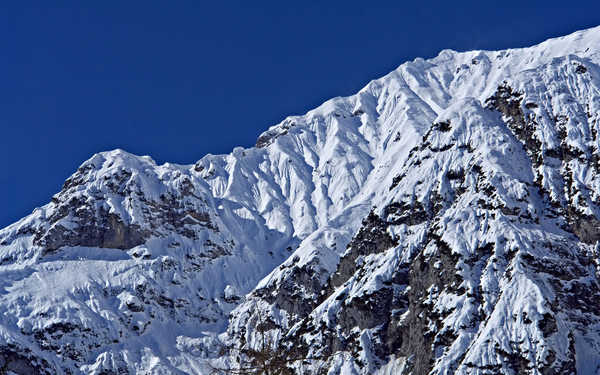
x=179, y=79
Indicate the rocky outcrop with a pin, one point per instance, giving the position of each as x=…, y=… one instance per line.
x=443, y=220
x=93, y=229
x=372, y=238
x=509, y=102
x=20, y=361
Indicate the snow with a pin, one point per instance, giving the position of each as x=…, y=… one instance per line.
x=298, y=201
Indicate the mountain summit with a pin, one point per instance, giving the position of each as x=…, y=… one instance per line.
x=443, y=220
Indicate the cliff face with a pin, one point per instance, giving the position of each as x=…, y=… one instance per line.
x=443, y=220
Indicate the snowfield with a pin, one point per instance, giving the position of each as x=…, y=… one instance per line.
x=443, y=220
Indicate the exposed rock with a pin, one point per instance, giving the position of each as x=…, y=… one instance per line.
x=420, y=226
x=20, y=361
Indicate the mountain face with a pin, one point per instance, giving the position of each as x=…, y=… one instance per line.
x=443, y=220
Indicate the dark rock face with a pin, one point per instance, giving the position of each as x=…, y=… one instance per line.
x=301, y=291
x=298, y=293
x=83, y=220
x=265, y=140
x=269, y=136
x=21, y=361
x=103, y=229
x=580, y=69
x=372, y=238
x=510, y=103
x=418, y=339
x=406, y=213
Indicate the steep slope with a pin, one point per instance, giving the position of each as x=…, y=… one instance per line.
x=480, y=257
x=131, y=259
x=442, y=220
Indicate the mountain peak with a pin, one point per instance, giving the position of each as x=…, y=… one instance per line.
x=444, y=219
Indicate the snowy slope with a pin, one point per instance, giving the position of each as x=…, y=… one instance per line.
x=479, y=257
x=442, y=220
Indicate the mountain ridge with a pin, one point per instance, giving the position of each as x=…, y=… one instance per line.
x=333, y=214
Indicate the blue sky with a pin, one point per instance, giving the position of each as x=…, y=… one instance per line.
x=177, y=80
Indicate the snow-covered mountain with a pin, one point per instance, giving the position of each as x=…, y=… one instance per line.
x=443, y=220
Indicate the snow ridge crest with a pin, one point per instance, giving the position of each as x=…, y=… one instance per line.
x=444, y=219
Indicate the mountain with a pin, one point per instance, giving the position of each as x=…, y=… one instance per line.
x=443, y=220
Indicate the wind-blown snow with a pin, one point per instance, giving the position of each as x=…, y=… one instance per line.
x=137, y=267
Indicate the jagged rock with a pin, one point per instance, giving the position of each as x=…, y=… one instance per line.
x=443, y=220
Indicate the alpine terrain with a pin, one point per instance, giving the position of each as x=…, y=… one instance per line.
x=443, y=220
